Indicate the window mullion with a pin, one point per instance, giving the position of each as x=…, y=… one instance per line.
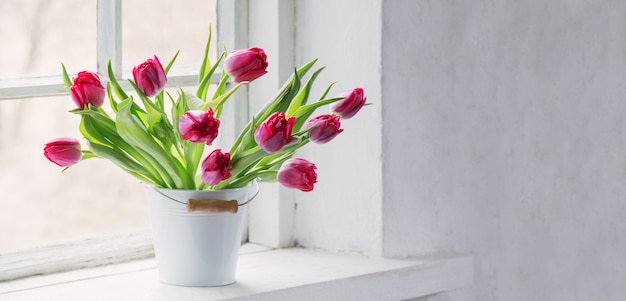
x=273, y=26
x=27, y=87
x=232, y=32
x=232, y=17
x=109, y=36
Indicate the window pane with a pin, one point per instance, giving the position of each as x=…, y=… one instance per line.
x=164, y=28
x=37, y=35
x=40, y=204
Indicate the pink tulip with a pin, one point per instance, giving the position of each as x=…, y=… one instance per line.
x=350, y=105
x=297, y=173
x=324, y=128
x=275, y=132
x=199, y=126
x=215, y=167
x=246, y=64
x=150, y=77
x=87, y=90
x=63, y=152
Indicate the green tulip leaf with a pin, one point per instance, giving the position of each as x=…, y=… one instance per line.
x=67, y=82
x=304, y=112
x=118, y=158
x=217, y=103
x=284, y=96
x=206, y=62
x=327, y=90
x=134, y=132
x=112, y=101
x=192, y=102
x=171, y=63
x=302, y=97
x=119, y=92
x=205, y=80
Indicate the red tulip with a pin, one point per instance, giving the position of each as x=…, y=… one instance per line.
x=215, y=167
x=246, y=65
x=275, y=132
x=199, y=126
x=87, y=89
x=350, y=105
x=150, y=77
x=297, y=173
x=324, y=128
x=63, y=151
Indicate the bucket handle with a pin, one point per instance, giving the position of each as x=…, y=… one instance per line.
x=258, y=188
x=213, y=206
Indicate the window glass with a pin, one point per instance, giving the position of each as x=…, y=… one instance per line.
x=40, y=205
x=38, y=34
x=164, y=27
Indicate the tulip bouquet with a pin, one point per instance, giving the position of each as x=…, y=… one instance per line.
x=167, y=140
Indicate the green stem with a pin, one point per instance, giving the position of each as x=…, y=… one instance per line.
x=243, y=181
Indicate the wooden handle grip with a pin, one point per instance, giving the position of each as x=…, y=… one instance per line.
x=212, y=206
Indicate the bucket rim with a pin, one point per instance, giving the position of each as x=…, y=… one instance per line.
x=161, y=191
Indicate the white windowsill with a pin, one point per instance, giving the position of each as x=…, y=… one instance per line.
x=276, y=274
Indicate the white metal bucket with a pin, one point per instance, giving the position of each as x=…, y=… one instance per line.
x=196, y=248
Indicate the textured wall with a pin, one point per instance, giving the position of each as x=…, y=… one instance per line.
x=503, y=137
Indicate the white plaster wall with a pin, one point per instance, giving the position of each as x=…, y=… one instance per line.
x=503, y=136
x=271, y=214
x=497, y=129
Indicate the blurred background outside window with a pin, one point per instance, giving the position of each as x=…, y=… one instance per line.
x=39, y=205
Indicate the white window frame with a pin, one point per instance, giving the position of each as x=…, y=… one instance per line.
x=263, y=273
x=232, y=30
x=272, y=212
x=109, y=47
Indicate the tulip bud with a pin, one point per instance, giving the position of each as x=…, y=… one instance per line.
x=215, y=167
x=297, y=173
x=150, y=77
x=324, y=128
x=246, y=65
x=63, y=152
x=199, y=126
x=350, y=105
x=87, y=89
x=275, y=132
